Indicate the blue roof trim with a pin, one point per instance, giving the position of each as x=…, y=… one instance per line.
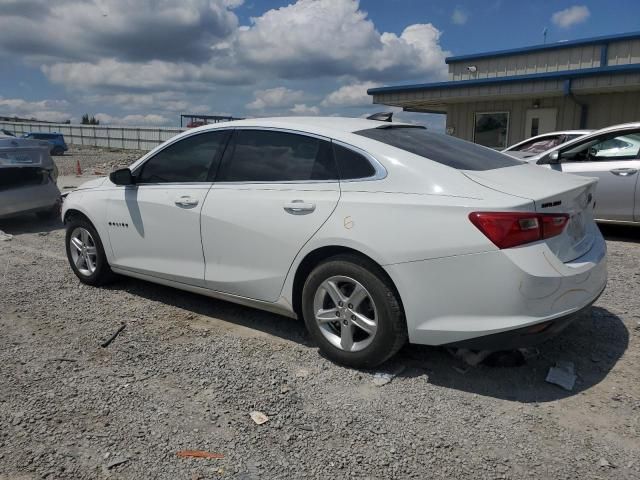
x=564, y=74
x=547, y=46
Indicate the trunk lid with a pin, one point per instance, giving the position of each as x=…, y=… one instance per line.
x=551, y=192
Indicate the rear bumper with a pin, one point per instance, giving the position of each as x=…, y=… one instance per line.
x=522, y=337
x=28, y=199
x=460, y=299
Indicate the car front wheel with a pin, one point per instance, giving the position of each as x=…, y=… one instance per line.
x=86, y=254
x=353, y=312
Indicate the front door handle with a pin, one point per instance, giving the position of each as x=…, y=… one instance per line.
x=299, y=207
x=624, y=172
x=186, y=201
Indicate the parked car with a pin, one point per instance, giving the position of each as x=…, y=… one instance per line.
x=56, y=140
x=542, y=143
x=374, y=233
x=613, y=156
x=27, y=179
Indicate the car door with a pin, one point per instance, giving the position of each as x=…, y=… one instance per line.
x=154, y=225
x=614, y=159
x=273, y=191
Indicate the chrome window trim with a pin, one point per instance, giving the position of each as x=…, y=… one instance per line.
x=379, y=174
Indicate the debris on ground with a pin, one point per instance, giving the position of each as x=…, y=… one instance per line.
x=117, y=461
x=5, y=237
x=106, y=343
x=258, y=417
x=382, y=378
x=603, y=463
x=563, y=375
x=43, y=234
x=198, y=454
x=471, y=358
x=63, y=359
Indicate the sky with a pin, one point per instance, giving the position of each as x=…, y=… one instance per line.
x=144, y=62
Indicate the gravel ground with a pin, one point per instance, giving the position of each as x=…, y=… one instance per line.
x=187, y=371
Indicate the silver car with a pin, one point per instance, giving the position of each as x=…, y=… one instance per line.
x=539, y=144
x=613, y=156
x=27, y=178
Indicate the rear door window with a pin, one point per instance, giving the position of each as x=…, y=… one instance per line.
x=444, y=149
x=274, y=156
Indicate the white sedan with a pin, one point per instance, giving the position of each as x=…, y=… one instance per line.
x=375, y=233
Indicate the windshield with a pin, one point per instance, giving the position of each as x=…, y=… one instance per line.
x=444, y=149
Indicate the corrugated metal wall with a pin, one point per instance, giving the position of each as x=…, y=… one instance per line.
x=133, y=138
x=603, y=110
x=587, y=56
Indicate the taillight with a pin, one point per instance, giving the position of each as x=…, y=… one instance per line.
x=510, y=229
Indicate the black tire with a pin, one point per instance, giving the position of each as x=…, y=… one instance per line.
x=102, y=273
x=391, y=333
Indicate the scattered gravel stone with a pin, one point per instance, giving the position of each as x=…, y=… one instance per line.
x=258, y=417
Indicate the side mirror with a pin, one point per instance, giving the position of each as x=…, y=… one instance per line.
x=122, y=177
x=554, y=157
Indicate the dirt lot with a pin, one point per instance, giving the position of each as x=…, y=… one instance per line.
x=187, y=370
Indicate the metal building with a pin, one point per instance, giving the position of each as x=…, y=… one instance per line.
x=500, y=98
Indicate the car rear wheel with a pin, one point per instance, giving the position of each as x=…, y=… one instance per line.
x=352, y=312
x=86, y=253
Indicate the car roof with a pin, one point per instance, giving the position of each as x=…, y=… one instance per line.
x=326, y=126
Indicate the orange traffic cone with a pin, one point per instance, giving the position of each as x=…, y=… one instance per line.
x=78, y=169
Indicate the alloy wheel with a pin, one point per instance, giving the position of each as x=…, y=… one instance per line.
x=346, y=313
x=84, y=252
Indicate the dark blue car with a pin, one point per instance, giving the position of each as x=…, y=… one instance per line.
x=56, y=140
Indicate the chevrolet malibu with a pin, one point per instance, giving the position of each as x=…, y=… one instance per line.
x=375, y=233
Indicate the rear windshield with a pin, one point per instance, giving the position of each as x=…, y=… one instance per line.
x=444, y=149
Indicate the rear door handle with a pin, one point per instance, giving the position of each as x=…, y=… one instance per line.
x=186, y=201
x=299, y=207
x=624, y=172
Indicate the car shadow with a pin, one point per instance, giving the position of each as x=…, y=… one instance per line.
x=216, y=311
x=621, y=233
x=593, y=343
x=29, y=223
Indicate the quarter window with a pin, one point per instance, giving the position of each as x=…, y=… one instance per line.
x=185, y=161
x=272, y=156
x=352, y=165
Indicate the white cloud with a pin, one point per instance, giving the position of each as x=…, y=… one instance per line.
x=292, y=42
x=571, y=16
x=47, y=110
x=277, y=97
x=459, y=16
x=354, y=95
x=150, y=119
x=303, y=109
x=121, y=56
